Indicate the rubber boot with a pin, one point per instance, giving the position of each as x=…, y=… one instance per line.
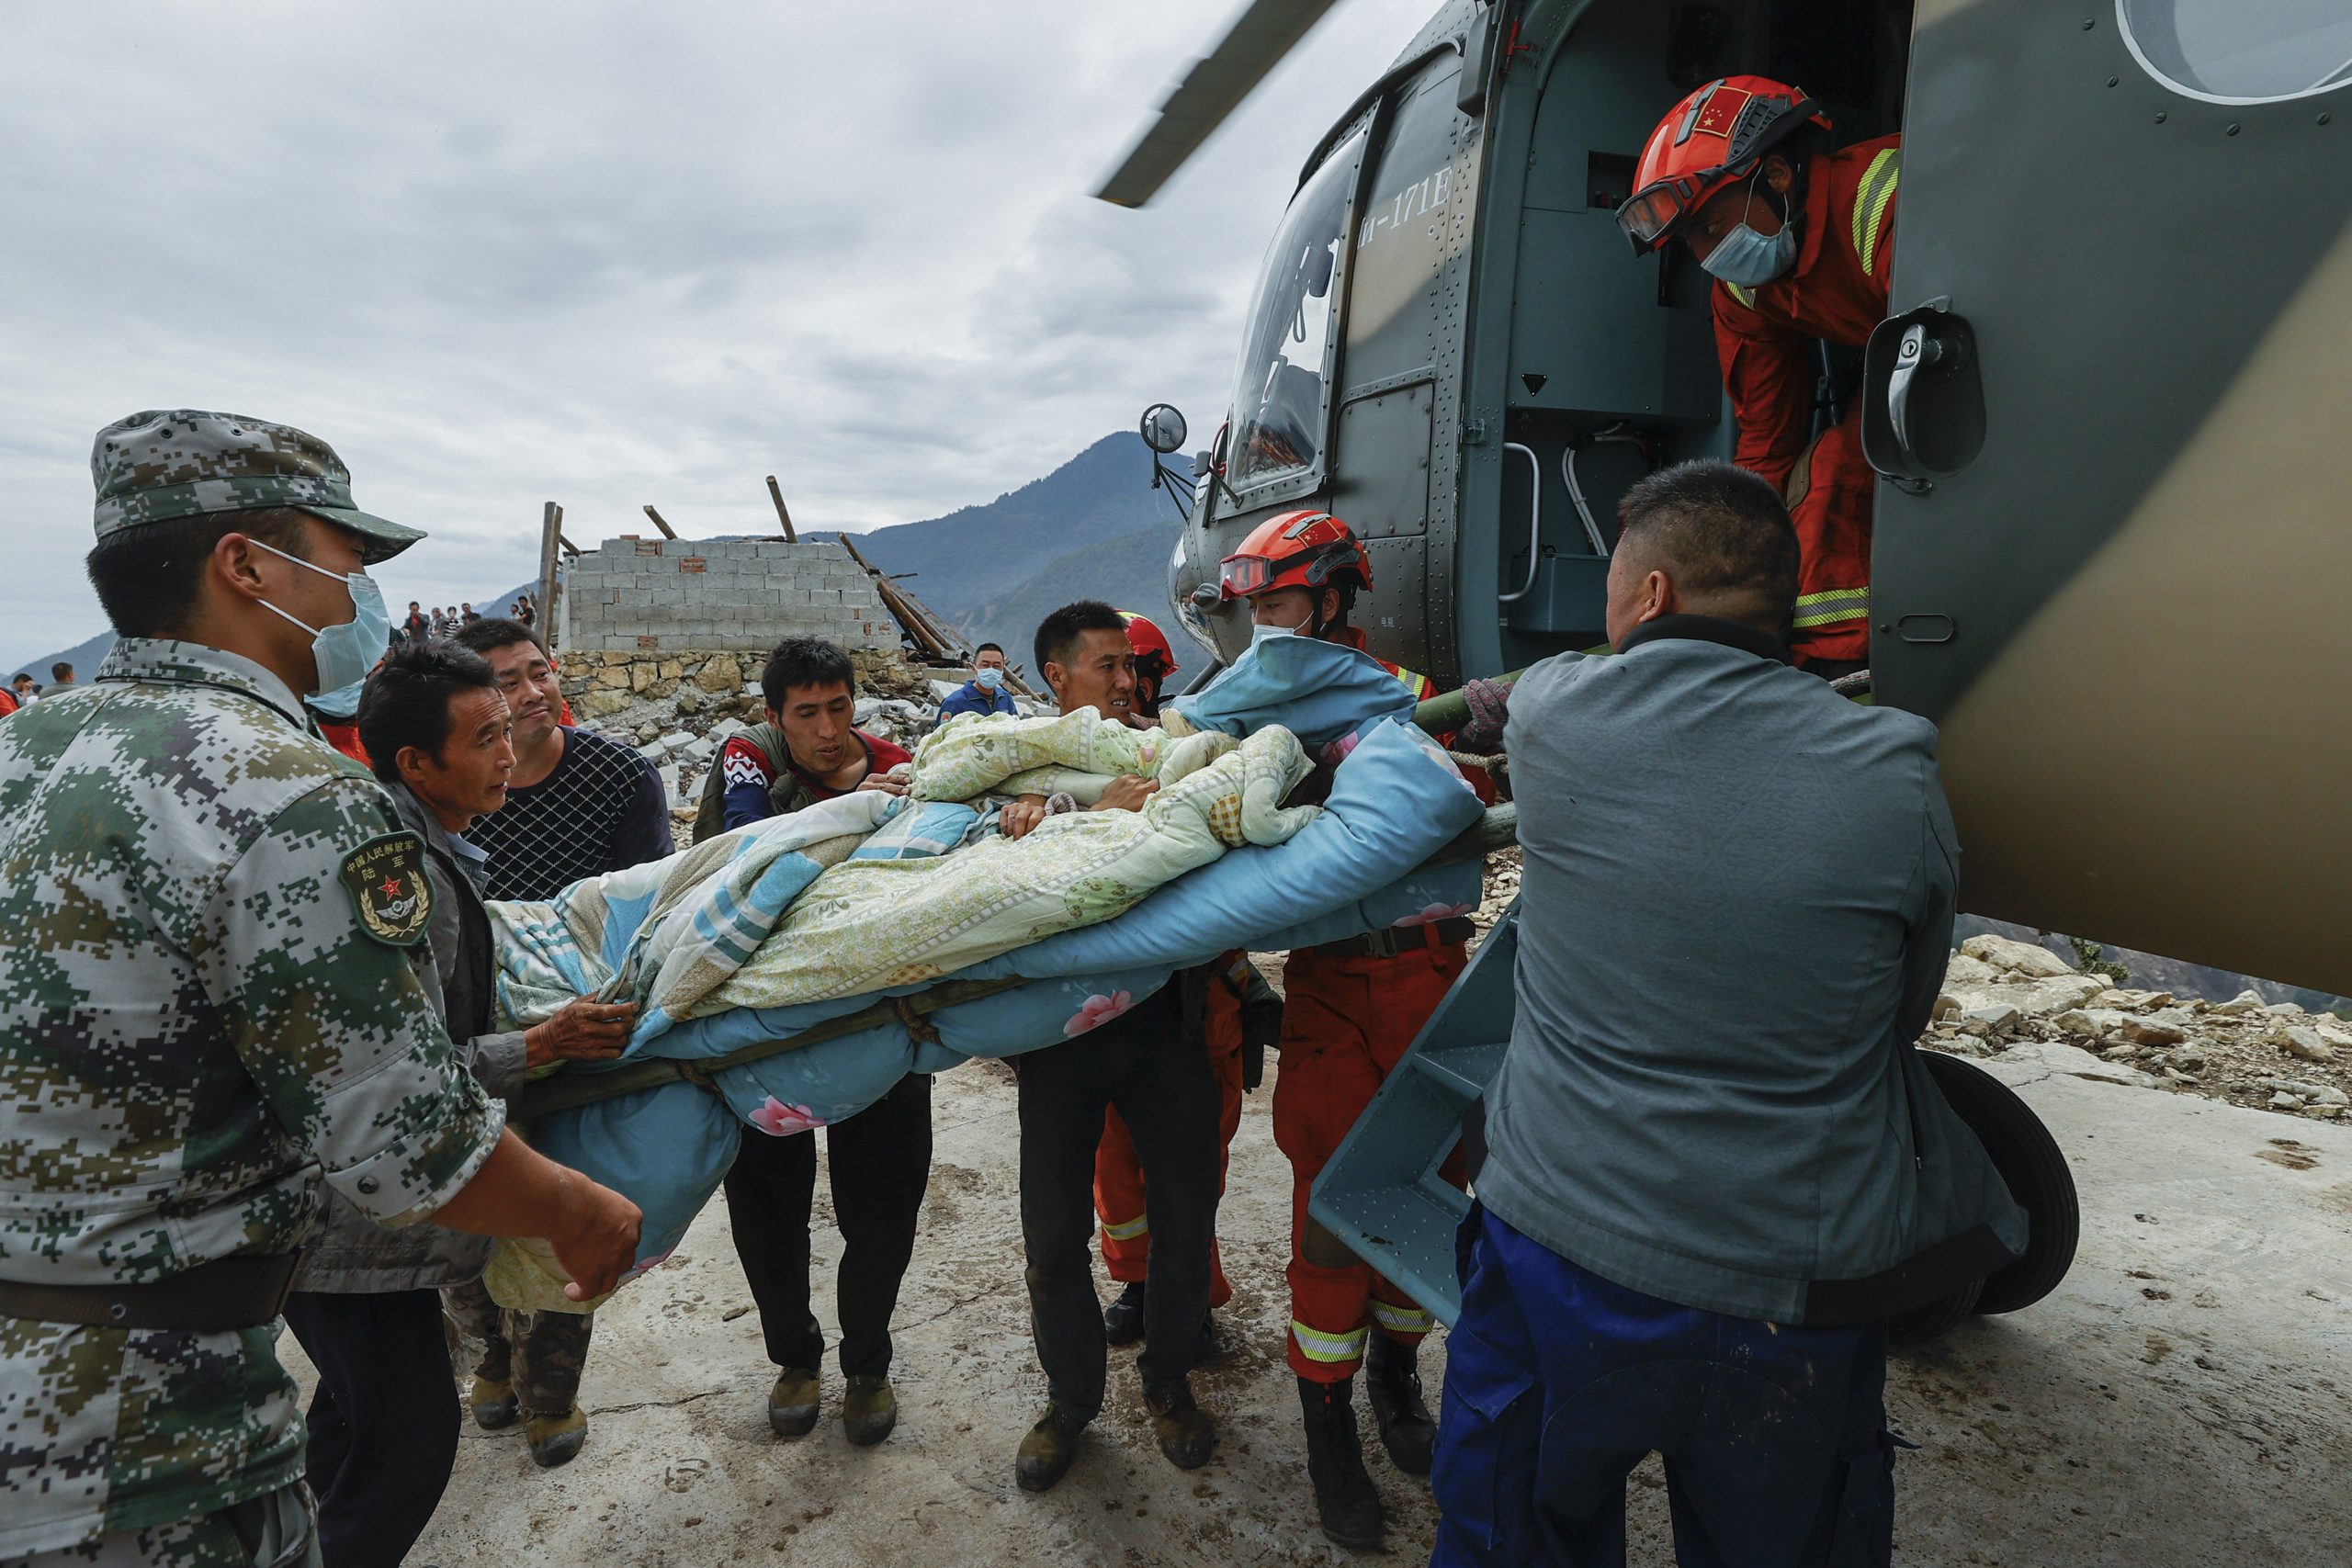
x=1347, y=1505
x=869, y=1410
x=1047, y=1452
x=1392, y=1385
x=1122, y=1319
x=555, y=1440
x=792, y=1402
x=492, y=1402
x=1185, y=1432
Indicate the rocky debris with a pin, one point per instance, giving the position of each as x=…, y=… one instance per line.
x=2015, y=957
x=2000, y=999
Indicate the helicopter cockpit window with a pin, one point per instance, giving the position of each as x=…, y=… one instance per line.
x=1279, y=394
x=2242, y=52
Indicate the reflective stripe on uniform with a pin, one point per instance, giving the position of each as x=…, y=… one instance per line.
x=1870, y=204
x=1402, y=1319
x=1139, y=1226
x=1318, y=1346
x=1415, y=683
x=1745, y=296
x=1832, y=605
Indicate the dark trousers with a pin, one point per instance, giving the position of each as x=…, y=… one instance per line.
x=1558, y=1382
x=542, y=1355
x=879, y=1162
x=383, y=1421
x=1161, y=1083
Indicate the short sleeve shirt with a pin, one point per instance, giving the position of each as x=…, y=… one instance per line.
x=199, y=1022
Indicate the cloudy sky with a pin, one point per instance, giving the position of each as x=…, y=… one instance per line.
x=612, y=253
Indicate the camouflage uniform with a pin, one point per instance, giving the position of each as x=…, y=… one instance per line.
x=207, y=1007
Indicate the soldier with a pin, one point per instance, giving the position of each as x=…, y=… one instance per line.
x=209, y=1013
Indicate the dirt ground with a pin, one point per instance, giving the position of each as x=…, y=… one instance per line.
x=2183, y=1399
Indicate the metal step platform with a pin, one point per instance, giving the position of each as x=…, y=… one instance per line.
x=1381, y=1194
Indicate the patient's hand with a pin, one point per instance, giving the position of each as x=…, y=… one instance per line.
x=1128, y=793
x=1019, y=815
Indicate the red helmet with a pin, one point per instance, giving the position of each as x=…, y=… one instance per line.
x=1305, y=549
x=1154, y=660
x=1712, y=139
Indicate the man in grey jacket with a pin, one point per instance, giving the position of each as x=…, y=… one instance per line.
x=366, y=1304
x=1716, y=1166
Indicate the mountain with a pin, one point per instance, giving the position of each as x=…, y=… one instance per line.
x=83, y=655
x=1093, y=528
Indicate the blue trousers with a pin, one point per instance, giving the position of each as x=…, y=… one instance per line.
x=1558, y=1382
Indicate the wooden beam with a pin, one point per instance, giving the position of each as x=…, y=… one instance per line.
x=550, y=535
x=776, y=495
x=569, y=548
x=667, y=532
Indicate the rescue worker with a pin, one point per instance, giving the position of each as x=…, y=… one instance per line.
x=210, y=1012
x=1349, y=1010
x=1801, y=242
x=1230, y=1009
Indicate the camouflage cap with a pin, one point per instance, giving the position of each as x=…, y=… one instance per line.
x=162, y=463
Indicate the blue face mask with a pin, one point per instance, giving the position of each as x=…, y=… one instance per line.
x=988, y=680
x=1748, y=259
x=342, y=703
x=345, y=653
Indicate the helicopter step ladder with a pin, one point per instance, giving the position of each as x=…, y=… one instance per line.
x=1381, y=1194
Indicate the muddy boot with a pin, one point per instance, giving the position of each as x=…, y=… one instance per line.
x=1347, y=1505
x=792, y=1402
x=1047, y=1452
x=1122, y=1319
x=1392, y=1384
x=555, y=1440
x=492, y=1402
x=869, y=1410
x=1185, y=1432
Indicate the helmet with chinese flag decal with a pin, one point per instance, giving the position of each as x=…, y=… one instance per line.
x=1154, y=660
x=1711, y=140
x=1304, y=549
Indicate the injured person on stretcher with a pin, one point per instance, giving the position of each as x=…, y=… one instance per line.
x=761, y=934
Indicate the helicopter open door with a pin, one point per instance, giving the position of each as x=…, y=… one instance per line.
x=2113, y=553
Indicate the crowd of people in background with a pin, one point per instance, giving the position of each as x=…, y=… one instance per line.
x=421, y=624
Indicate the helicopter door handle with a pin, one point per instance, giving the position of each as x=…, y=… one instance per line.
x=1535, y=521
x=1923, y=400
x=1916, y=352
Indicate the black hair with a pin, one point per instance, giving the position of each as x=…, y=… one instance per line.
x=805, y=662
x=492, y=633
x=987, y=648
x=148, y=577
x=1724, y=534
x=406, y=701
x=1059, y=632
x=61, y=671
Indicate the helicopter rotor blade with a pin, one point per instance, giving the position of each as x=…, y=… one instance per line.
x=1213, y=89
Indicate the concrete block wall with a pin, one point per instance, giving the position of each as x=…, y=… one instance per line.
x=739, y=596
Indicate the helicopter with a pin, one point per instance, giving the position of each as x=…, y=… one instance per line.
x=2111, y=559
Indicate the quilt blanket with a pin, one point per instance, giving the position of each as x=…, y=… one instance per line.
x=767, y=931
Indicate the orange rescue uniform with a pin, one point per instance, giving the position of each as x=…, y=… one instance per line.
x=1347, y=1019
x=1836, y=292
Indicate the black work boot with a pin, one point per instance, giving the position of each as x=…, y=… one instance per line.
x=1347, y=1505
x=1047, y=1452
x=1185, y=1432
x=1391, y=1383
x=1122, y=1319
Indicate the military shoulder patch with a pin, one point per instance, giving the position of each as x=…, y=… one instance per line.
x=385, y=877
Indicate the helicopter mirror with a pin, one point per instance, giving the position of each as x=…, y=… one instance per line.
x=1163, y=428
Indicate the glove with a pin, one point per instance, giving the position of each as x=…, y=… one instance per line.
x=1253, y=1065
x=1489, y=703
